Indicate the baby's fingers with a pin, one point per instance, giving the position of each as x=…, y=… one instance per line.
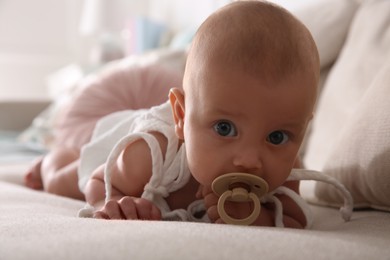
x=211, y=202
x=138, y=208
x=212, y=213
x=128, y=208
x=147, y=210
x=110, y=210
x=100, y=215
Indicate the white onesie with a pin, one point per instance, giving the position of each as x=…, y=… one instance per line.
x=110, y=138
x=114, y=132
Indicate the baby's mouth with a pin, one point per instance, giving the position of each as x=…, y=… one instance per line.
x=239, y=187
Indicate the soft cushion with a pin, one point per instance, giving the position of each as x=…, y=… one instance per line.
x=361, y=158
x=364, y=54
x=38, y=225
x=351, y=131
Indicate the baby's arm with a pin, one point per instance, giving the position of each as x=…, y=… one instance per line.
x=131, y=173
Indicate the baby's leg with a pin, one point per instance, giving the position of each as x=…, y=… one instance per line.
x=32, y=178
x=57, y=173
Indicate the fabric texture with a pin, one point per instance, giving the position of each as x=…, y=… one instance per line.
x=363, y=55
x=350, y=135
x=37, y=225
x=361, y=158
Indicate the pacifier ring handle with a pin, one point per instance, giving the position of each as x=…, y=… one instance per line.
x=239, y=187
x=235, y=221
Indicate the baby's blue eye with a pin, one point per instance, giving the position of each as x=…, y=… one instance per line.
x=225, y=128
x=277, y=137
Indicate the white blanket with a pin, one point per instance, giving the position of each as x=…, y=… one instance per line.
x=37, y=225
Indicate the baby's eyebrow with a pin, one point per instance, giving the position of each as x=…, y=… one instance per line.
x=222, y=111
x=294, y=125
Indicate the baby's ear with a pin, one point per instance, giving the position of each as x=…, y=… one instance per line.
x=176, y=98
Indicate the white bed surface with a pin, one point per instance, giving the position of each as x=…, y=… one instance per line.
x=43, y=226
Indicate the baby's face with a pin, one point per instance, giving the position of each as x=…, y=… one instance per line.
x=235, y=122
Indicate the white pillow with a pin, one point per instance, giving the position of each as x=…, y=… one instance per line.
x=328, y=22
x=361, y=158
x=366, y=50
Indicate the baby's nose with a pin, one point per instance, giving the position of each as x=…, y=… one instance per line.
x=249, y=160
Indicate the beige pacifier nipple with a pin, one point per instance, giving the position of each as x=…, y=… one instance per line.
x=239, y=187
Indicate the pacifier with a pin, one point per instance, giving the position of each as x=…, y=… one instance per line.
x=239, y=187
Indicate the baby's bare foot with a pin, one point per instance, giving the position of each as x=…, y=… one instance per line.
x=33, y=178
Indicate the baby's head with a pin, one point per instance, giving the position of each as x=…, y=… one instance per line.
x=250, y=87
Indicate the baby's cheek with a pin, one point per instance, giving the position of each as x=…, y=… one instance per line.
x=197, y=170
x=278, y=174
x=203, y=172
x=202, y=176
x=277, y=179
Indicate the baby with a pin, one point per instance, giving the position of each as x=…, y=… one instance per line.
x=249, y=90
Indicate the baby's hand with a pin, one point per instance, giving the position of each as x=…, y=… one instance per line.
x=211, y=201
x=129, y=208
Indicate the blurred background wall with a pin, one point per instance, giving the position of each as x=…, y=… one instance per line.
x=38, y=38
